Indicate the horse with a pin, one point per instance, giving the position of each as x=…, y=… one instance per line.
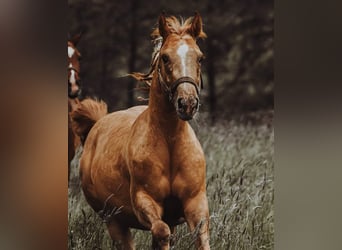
x=74, y=91
x=74, y=57
x=144, y=167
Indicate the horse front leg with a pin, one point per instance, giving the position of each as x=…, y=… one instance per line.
x=196, y=213
x=149, y=214
x=120, y=235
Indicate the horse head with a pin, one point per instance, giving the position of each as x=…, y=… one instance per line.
x=179, y=66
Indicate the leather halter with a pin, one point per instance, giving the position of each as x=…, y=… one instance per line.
x=170, y=90
x=74, y=69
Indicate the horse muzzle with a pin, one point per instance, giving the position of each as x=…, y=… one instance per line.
x=187, y=107
x=74, y=94
x=74, y=90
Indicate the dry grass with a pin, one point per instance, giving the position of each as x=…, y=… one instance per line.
x=240, y=185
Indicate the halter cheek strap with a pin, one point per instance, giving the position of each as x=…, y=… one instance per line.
x=172, y=89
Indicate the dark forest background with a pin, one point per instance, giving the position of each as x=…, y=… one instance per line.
x=238, y=69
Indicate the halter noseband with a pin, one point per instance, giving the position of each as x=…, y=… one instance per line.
x=172, y=89
x=74, y=69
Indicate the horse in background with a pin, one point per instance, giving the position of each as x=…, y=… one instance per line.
x=74, y=57
x=144, y=167
x=74, y=91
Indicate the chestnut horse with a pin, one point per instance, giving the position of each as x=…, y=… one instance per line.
x=144, y=167
x=74, y=91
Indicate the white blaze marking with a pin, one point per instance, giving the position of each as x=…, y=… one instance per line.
x=72, y=77
x=72, y=80
x=182, y=51
x=71, y=51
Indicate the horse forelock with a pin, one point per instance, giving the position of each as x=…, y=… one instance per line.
x=176, y=26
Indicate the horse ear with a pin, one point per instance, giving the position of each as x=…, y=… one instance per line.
x=163, y=28
x=76, y=38
x=196, y=29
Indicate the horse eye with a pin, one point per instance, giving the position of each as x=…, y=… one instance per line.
x=165, y=58
x=200, y=59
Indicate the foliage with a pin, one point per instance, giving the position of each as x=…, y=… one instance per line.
x=238, y=70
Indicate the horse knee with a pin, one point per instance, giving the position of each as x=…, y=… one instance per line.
x=161, y=235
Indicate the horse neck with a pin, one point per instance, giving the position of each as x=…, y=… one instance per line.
x=162, y=112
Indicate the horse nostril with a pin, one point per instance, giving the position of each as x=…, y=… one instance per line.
x=181, y=103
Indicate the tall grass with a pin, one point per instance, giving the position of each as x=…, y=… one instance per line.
x=240, y=185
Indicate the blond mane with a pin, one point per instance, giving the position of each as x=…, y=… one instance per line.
x=177, y=27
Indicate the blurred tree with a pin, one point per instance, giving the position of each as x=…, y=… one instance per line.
x=133, y=49
x=237, y=72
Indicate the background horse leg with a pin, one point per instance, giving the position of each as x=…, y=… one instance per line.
x=197, y=216
x=149, y=214
x=121, y=236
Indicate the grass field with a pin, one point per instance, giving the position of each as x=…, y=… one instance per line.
x=240, y=189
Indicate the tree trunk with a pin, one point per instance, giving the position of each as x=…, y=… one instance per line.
x=211, y=57
x=133, y=51
x=211, y=80
x=105, y=55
